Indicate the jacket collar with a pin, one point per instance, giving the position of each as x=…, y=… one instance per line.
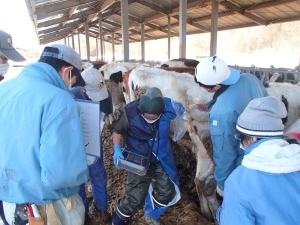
x=273, y=156
x=46, y=72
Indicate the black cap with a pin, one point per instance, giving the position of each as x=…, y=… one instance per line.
x=152, y=102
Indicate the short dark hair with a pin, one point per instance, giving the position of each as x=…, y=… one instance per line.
x=245, y=137
x=203, y=85
x=58, y=64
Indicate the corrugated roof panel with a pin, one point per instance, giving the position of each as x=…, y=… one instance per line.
x=190, y=28
x=166, y=3
x=197, y=12
x=163, y=21
x=40, y=3
x=52, y=18
x=140, y=11
x=69, y=15
x=246, y=3
x=107, y=26
x=279, y=12
x=232, y=20
x=115, y=18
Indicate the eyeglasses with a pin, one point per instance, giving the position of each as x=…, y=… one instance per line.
x=3, y=57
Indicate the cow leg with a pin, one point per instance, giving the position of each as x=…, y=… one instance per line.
x=204, y=208
x=205, y=168
x=210, y=194
x=109, y=119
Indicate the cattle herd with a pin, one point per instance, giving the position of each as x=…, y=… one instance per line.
x=128, y=81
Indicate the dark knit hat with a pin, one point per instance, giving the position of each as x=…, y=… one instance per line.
x=262, y=118
x=152, y=102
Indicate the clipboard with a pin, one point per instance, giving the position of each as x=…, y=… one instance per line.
x=90, y=122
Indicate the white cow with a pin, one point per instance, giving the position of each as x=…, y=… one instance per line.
x=113, y=73
x=114, y=67
x=290, y=92
x=294, y=130
x=182, y=87
x=178, y=86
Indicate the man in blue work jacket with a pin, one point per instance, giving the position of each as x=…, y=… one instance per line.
x=233, y=91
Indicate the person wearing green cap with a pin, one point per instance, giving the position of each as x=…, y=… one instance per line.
x=141, y=122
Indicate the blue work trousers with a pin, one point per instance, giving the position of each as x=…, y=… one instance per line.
x=98, y=180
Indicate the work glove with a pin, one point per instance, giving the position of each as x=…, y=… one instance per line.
x=117, y=154
x=220, y=191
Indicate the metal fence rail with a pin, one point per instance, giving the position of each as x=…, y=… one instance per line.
x=285, y=74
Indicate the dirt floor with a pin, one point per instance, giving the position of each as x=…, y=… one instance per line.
x=186, y=211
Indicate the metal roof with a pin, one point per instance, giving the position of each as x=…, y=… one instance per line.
x=58, y=19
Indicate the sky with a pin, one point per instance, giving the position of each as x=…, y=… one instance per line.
x=15, y=20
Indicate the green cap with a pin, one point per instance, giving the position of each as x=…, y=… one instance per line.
x=152, y=102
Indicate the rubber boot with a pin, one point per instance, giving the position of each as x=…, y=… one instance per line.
x=2, y=214
x=119, y=219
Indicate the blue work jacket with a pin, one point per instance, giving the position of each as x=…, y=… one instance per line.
x=42, y=148
x=222, y=120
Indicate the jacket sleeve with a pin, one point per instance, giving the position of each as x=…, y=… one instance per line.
x=62, y=150
x=234, y=209
x=121, y=125
x=178, y=107
x=226, y=152
x=106, y=105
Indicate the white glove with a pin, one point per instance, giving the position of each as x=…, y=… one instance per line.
x=220, y=192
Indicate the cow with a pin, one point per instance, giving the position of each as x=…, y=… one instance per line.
x=294, y=130
x=181, y=62
x=189, y=70
x=112, y=68
x=287, y=93
x=181, y=87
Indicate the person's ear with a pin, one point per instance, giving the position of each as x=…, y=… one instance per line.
x=65, y=72
x=215, y=88
x=253, y=139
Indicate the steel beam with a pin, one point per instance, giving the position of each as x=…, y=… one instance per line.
x=87, y=38
x=228, y=5
x=214, y=27
x=125, y=35
x=100, y=35
x=143, y=42
x=182, y=28
x=269, y=4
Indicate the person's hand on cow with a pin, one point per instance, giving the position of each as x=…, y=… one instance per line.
x=117, y=154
